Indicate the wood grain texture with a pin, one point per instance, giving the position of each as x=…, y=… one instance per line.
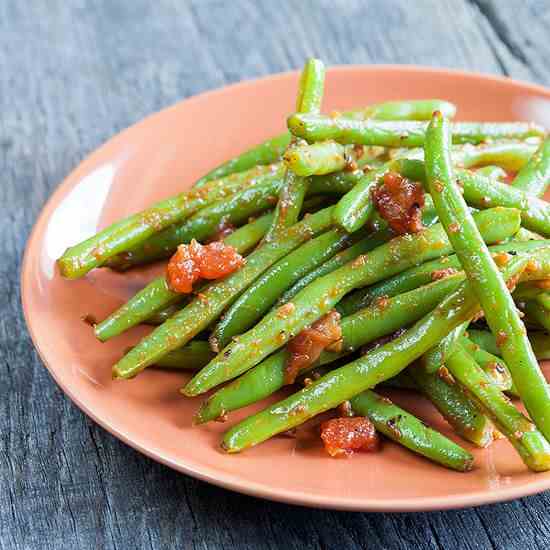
x=73, y=73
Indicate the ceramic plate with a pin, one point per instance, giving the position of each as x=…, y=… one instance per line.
x=164, y=154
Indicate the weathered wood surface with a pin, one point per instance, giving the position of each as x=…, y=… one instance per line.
x=73, y=73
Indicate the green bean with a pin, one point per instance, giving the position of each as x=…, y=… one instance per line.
x=537, y=314
x=163, y=314
x=484, y=276
x=540, y=341
x=267, y=152
x=519, y=430
x=454, y=406
x=319, y=158
x=157, y=296
x=374, y=367
x=483, y=192
x=534, y=177
x=322, y=294
x=526, y=235
x=508, y=155
x=400, y=134
x=294, y=189
x=494, y=367
x=416, y=109
x=355, y=207
x=236, y=209
x=401, y=381
x=201, y=311
x=544, y=299
x=407, y=430
x=135, y=229
x=435, y=358
x=492, y=172
x=262, y=294
x=526, y=291
x=359, y=329
x=423, y=274
x=190, y=357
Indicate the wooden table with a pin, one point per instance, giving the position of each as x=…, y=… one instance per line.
x=75, y=72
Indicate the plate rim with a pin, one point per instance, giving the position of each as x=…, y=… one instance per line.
x=237, y=483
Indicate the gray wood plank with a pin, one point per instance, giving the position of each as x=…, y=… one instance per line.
x=74, y=73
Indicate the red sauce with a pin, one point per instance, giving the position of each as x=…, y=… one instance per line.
x=399, y=201
x=342, y=436
x=195, y=261
x=306, y=347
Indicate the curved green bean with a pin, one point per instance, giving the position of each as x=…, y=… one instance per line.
x=534, y=177
x=407, y=430
x=485, y=278
x=274, y=330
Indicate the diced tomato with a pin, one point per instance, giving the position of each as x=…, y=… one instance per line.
x=194, y=261
x=399, y=201
x=342, y=436
x=306, y=347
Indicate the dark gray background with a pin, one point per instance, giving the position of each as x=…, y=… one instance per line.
x=75, y=72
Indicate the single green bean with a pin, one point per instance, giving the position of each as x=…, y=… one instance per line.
x=163, y=314
x=374, y=367
x=519, y=430
x=407, y=430
x=323, y=157
x=157, y=296
x=544, y=299
x=267, y=152
x=190, y=357
x=201, y=311
x=294, y=189
x=400, y=134
x=324, y=293
x=416, y=109
x=252, y=304
x=492, y=172
x=137, y=228
x=485, y=278
x=534, y=177
x=359, y=329
x=454, y=406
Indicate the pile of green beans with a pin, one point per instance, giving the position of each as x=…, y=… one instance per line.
x=439, y=312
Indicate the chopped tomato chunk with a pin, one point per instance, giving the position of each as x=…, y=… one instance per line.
x=399, y=201
x=342, y=436
x=306, y=347
x=194, y=261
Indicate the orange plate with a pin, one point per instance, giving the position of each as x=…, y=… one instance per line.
x=164, y=154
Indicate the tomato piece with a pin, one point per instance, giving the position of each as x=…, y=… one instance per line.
x=399, y=201
x=306, y=347
x=342, y=436
x=194, y=261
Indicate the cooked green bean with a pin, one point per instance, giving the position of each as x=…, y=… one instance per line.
x=204, y=309
x=190, y=357
x=419, y=109
x=435, y=358
x=454, y=406
x=483, y=275
x=374, y=367
x=359, y=329
x=537, y=314
x=492, y=172
x=400, y=134
x=534, y=177
x=406, y=429
x=274, y=330
x=544, y=299
x=423, y=274
x=540, y=341
x=156, y=296
x=319, y=158
x=294, y=189
x=519, y=430
x=137, y=228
